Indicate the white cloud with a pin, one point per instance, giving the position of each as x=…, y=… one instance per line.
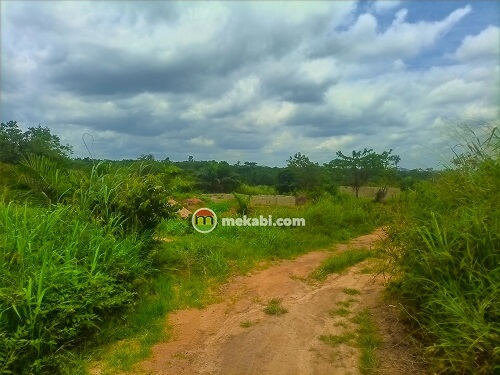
x=382, y=6
x=203, y=142
x=400, y=40
x=485, y=45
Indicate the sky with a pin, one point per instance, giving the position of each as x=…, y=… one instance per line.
x=251, y=80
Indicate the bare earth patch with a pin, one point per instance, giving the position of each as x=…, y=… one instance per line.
x=213, y=340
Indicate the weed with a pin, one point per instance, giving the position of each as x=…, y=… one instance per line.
x=340, y=262
x=341, y=311
x=346, y=303
x=246, y=323
x=274, y=307
x=367, y=340
x=335, y=340
x=351, y=291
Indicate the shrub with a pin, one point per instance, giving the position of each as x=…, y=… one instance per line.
x=60, y=276
x=443, y=249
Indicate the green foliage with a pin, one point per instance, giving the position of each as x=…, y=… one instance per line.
x=300, y=174
x=363, y=165
x=43, y=180
x=60, y=275
x=256, y=190
x=139, y=202
x=218, y=178
x=14, y=144
x=142, y=202
x=243, y=204
x=274, y=307
x=340, y=262
x=443, y=252
x=368, y=340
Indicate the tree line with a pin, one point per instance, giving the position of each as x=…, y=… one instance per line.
x=356, y=169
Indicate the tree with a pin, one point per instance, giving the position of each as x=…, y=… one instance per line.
x=218, y=178
x=11, y=141
x=14, y=144
x=306, y=173
x=362, y=165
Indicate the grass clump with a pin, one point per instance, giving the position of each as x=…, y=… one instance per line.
x=368, y=340
x=351, y=291
x=246, y=323
x=341, y=311
x=340, y=262
x=335, y=340
x=274, y=307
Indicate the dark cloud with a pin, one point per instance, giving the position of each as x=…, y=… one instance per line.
x=248, y=80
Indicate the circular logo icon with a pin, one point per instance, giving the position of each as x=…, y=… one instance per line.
x=204, y=220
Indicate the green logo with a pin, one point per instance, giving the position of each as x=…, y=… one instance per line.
x=204, y=220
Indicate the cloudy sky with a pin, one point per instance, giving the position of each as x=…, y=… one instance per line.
x=250, y=81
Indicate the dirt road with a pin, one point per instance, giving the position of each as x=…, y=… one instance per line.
x=215, y=341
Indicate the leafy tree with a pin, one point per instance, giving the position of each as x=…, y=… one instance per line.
x=11, y=141
x=287, y=181
x=306, y=173
x=218, y=178
x=362, y=165
x=14, y=144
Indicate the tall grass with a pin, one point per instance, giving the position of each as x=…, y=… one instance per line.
x=445, y=252
x=60, y=275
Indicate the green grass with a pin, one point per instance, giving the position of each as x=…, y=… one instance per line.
x=443, y=254
x=335, y=340
x=118, y=287
x=274, y=307
x=346, y=303
x=340, y=262
x=368, y=340
x=246, y=323
x=61, y=276
x=351, y=291
x=341, y=311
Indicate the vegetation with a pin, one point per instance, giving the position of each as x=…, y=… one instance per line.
x=84, y=261
x=367, y=340
x=340, y=262
x=443, y=252
x=274, y=307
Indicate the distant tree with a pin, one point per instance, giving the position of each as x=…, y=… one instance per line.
x=287, y=181
x=14, y=144
x=218, y=178
x=11, y=142
x=362, y=165
x=307, y=174
x=190, y=158
x=146, y=157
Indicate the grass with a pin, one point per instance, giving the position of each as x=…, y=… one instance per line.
x=442, y=252
x=117, y=286
x=246, y=323
x=335, y=340
x=341, y=311
x=367, y=340
x=351, y=291
x=340, y=262
x=274, y=307
x=346, y=303
x=61, y=276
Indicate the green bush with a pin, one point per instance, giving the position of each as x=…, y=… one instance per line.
x=444, y=252
x=60, y=276
x=139, y=202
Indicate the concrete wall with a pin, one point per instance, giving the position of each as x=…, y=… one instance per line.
x=370, y=191
x=259, y=200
